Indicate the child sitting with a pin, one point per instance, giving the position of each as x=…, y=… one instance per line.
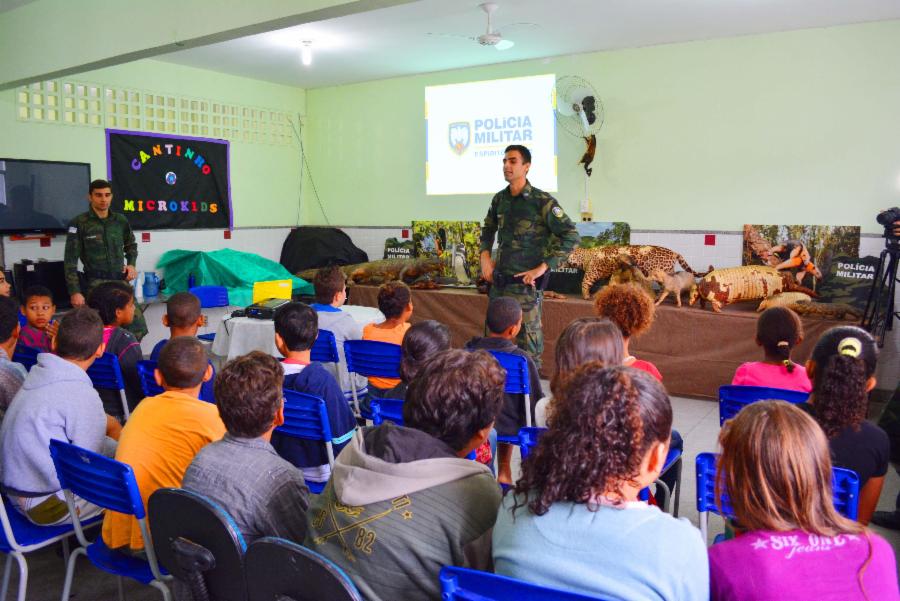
x=395, y=301
x=296, y=329
x=38, y=310
x=331, y=293
x=842, y=369
x=632, y=309
x=504, y=320
x=183, y=318
x=776, y=469
x=778, y=331
x=575, y=522
x=114, y=302
x=12, y=374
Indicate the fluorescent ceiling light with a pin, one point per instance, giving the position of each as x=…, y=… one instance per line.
x=306, y=53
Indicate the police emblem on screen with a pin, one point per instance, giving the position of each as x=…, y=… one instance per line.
x=459, y=136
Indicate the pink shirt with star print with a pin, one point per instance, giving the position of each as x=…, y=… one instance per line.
x=797, y=565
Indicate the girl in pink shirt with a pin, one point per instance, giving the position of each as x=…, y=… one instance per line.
x=778, y=331
x=791, y=543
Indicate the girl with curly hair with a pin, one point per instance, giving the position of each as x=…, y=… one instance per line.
x=842, y=370
x=776, y=469
x=632, y=309
x=778, y=331
x=574, y=521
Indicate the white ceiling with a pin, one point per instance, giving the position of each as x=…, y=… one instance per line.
x=391, y=42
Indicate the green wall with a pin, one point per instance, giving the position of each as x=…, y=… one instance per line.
x=796, y=127
x=265, y=179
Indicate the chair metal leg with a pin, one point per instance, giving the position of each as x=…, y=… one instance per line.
x=120, y=584
x=662, y=487
x=163, y=589
x=677, y=491
x=6, y=572
x=70, y=572
x=23, y=575
x=355, y=399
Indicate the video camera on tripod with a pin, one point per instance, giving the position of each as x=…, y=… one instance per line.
x=879, y=315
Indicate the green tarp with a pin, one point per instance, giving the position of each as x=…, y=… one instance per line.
x=235, y=270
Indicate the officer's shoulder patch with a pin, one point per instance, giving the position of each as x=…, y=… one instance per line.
x=558, y=212
x=73, y=230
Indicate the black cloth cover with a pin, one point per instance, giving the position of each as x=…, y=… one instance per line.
x=313, y=247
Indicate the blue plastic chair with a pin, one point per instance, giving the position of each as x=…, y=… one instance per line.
x=27, y=356
x=324, y=349
x=734, y=398
x=518, y=381
x=371, y=358
x=463, y=584
x=210, y=296
x=18, y=536
x=280, y=569
x=145, y=371
x=844, y=482
x=306, y=417
x=387, y=410
x=528, y=438
x=109, y=484
x=106, y=374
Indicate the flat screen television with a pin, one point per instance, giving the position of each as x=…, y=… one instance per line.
x=41, y=196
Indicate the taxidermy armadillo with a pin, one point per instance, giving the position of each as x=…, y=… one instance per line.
x=750, y=282
x=785, y=299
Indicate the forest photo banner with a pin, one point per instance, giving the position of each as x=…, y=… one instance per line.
x=169, y=182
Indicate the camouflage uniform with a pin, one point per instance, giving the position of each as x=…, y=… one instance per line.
x=104, y=247
x=526, y=225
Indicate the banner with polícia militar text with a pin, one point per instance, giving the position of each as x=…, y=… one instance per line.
x=164, y=181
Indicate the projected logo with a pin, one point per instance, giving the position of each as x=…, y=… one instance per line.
x=459, y=135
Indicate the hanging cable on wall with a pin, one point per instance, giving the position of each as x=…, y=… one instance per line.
x=305, y=164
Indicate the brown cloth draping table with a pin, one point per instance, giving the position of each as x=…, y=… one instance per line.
x=696, y=350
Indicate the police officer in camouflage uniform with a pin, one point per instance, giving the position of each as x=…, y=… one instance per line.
x=525, y=219
x=104, y=242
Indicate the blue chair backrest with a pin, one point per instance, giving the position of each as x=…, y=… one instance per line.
x=734, y=398
x=97, y=479
x=528, y=438
x=844, y=482
x=387, y=410
x=105, y=373
x=518, y=380
x=145, y=371
x=324, y=349
x=211, y=296
x=463, y=584
x=305, y=416
x=845, y=489
x=373, y=358
x=25, y=355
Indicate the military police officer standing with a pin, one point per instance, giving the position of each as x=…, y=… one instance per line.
x=104, y=242
x=526, y=220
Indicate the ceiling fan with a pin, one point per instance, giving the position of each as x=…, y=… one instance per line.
x=491, y=37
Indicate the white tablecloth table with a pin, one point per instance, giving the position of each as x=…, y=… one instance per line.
x=238, y=336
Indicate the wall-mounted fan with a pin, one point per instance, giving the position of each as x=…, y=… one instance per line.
x=579, y=112
x=491, y=37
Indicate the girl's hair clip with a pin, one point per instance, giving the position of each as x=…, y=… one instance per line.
x=851, y=347
x=783, y=343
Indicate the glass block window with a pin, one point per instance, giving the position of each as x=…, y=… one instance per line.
x=92, y=105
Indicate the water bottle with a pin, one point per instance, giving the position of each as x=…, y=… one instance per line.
x=151, y=284
x=138, y=289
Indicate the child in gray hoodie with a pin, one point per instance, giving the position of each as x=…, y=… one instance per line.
x=403, y=501
x=56, y=401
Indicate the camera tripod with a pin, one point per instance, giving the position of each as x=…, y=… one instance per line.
x=880, y=313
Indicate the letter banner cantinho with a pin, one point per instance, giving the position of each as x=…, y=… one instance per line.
x=164, y=181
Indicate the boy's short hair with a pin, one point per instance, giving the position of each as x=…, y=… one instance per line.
x=298, y=325
x=328, y=282
x=80, y=334
x=98, y=184
x=107, y=297
x=455, y=394
x=9, y=317
x=502, y=314
x=183, y=362
x=393, y=298
x=249, y=393
x=182, y=309
x=36, y=290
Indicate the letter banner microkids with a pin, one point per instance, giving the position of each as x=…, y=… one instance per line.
x=164, y=181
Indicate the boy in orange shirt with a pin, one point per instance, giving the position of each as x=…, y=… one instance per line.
x=164, y=433
x=395, y=301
